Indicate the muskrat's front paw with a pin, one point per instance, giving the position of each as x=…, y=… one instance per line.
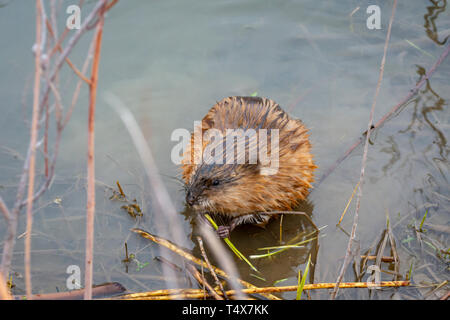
x=224, y=231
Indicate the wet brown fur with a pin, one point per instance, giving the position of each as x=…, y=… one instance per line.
x=243, y=189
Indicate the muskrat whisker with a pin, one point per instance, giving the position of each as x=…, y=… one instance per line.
x=179, y=180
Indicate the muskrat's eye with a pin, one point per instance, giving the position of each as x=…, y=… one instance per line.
x=215, y=182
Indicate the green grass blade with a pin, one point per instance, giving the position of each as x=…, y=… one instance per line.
x=410, y=270
x=423, y=220
x=258, y=277
x=231, y=245
x=280, y=249
x=279, y=281
x=301, y=283
x=419, y=48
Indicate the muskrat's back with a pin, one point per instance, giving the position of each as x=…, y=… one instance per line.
x=240, y=189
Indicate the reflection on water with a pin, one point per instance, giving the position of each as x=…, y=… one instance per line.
x=286, y=230
x=171, y=61
x=433, y=11
x=423, y=107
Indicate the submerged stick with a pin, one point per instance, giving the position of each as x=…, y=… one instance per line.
x=102, y=290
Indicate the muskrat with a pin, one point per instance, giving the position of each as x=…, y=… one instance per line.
x=246, y=192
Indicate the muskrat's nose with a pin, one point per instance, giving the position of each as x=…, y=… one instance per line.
x=190, y=198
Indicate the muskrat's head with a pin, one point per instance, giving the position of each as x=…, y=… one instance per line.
x=222, y=188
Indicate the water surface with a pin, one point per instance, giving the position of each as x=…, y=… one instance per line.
x=170, y=61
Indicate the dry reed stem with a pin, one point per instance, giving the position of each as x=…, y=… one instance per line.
x=348, y=204
x=198, y=293
x=316, y=286
x=45, y=64
x=33, y=139
x=47, y=116
x=348, y=253
x=190, y=257
x=90, y=213
x=216, y=279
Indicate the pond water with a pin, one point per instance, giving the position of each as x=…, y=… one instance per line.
x=170, y=61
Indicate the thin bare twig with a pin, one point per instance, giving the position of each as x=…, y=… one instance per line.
x=202, y=281
x=78, y=86
x=71, y=43
x=61, y=124
x=393, y=110
x=348, y=204
x=216, y=279
x=10, y=237
x=348, y=253
x=59, y=48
